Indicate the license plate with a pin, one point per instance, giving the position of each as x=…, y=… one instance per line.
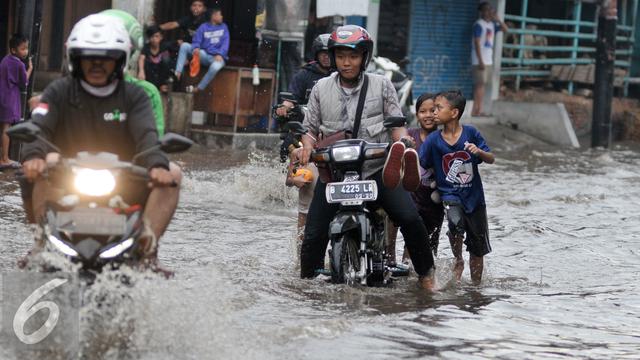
x=92, y=221
x=356, y=191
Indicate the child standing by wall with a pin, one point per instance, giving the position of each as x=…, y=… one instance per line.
x=14, y=77
x=454, y=153
x=304, y=178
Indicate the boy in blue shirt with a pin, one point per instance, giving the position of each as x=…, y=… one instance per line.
x=454, y=153
x=211, y=41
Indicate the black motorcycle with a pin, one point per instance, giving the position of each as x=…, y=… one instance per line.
x=290, y=140
x=90, y=223
x=357, y=232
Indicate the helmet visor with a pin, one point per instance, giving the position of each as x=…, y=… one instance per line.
x=97, y=53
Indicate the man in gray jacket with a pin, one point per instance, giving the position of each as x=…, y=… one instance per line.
x=331, y=108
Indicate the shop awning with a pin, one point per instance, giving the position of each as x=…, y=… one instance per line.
x=342, y=8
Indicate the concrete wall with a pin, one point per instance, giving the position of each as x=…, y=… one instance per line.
x=546, y=121
x=240, y=141
x=141, y=9
x=178, y=114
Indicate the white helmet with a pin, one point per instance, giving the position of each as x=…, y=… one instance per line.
x=98, y=35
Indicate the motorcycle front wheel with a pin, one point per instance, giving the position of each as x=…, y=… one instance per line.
x=345, y=263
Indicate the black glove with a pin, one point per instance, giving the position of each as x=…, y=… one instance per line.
x=296, y=113
x=289, y=139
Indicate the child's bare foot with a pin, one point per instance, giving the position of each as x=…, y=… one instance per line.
x=458, y=269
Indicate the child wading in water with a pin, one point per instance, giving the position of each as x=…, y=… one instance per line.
x=14, y=77
x=426, y=198
x=454, y=153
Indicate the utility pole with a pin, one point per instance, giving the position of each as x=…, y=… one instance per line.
x=605, y=63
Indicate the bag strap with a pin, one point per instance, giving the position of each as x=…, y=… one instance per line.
x=363, y=95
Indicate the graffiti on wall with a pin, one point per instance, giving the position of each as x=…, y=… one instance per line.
x=428, y=70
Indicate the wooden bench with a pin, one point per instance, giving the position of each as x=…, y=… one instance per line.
x=233, y=102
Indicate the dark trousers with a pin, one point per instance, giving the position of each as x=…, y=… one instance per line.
x=398, y=205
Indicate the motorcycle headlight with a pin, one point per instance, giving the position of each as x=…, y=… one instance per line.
x=116, y=249
x=347, y=153
x=94, y=182
x=60, y=245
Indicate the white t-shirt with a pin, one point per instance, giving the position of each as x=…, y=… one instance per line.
x=485, y=30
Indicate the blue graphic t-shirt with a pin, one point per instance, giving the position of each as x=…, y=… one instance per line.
x=456, y=170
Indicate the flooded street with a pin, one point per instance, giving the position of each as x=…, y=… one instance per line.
x=563, y=279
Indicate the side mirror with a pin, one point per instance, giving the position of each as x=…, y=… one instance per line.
x=395, y=121
x=25, y=132
x=297, y=128
x=174, y=143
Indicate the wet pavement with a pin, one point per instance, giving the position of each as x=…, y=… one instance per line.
x=563, y=279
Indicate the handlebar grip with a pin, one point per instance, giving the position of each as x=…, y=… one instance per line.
x=144, y=174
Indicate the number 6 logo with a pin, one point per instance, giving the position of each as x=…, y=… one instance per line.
x=30, y=306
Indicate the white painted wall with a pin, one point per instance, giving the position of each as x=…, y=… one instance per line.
x=141, y=9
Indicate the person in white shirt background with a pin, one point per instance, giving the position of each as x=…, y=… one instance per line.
x=484, y=30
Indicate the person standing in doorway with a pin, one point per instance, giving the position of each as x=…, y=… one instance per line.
x=484, y=30
x=14, y=77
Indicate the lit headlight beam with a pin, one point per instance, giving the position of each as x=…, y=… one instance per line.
x=94, y=182
x=116, y=249
x=347, y=153
x=60, y=245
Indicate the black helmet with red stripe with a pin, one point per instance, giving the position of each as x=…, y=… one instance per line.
x=352, y=37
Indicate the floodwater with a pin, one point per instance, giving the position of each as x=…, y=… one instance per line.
x=563, y=279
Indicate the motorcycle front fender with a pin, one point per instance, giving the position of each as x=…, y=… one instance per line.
x=345, y=222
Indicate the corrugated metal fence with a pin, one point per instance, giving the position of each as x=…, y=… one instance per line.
x=440, y=45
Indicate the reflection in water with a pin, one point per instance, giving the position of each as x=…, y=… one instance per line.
x=563, y=279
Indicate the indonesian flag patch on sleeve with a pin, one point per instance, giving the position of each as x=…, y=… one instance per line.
x=41, y=109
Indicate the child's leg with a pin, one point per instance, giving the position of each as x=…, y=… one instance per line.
x=479, y=80
x=432, y=216
x=477, y=242
x=183, y=55
x=476, y=265
x=455, y=218
x=211, y=73
x=5, y=144
x=478, y=96
x=302, y=221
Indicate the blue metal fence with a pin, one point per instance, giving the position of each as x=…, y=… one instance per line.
x=577, y=53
